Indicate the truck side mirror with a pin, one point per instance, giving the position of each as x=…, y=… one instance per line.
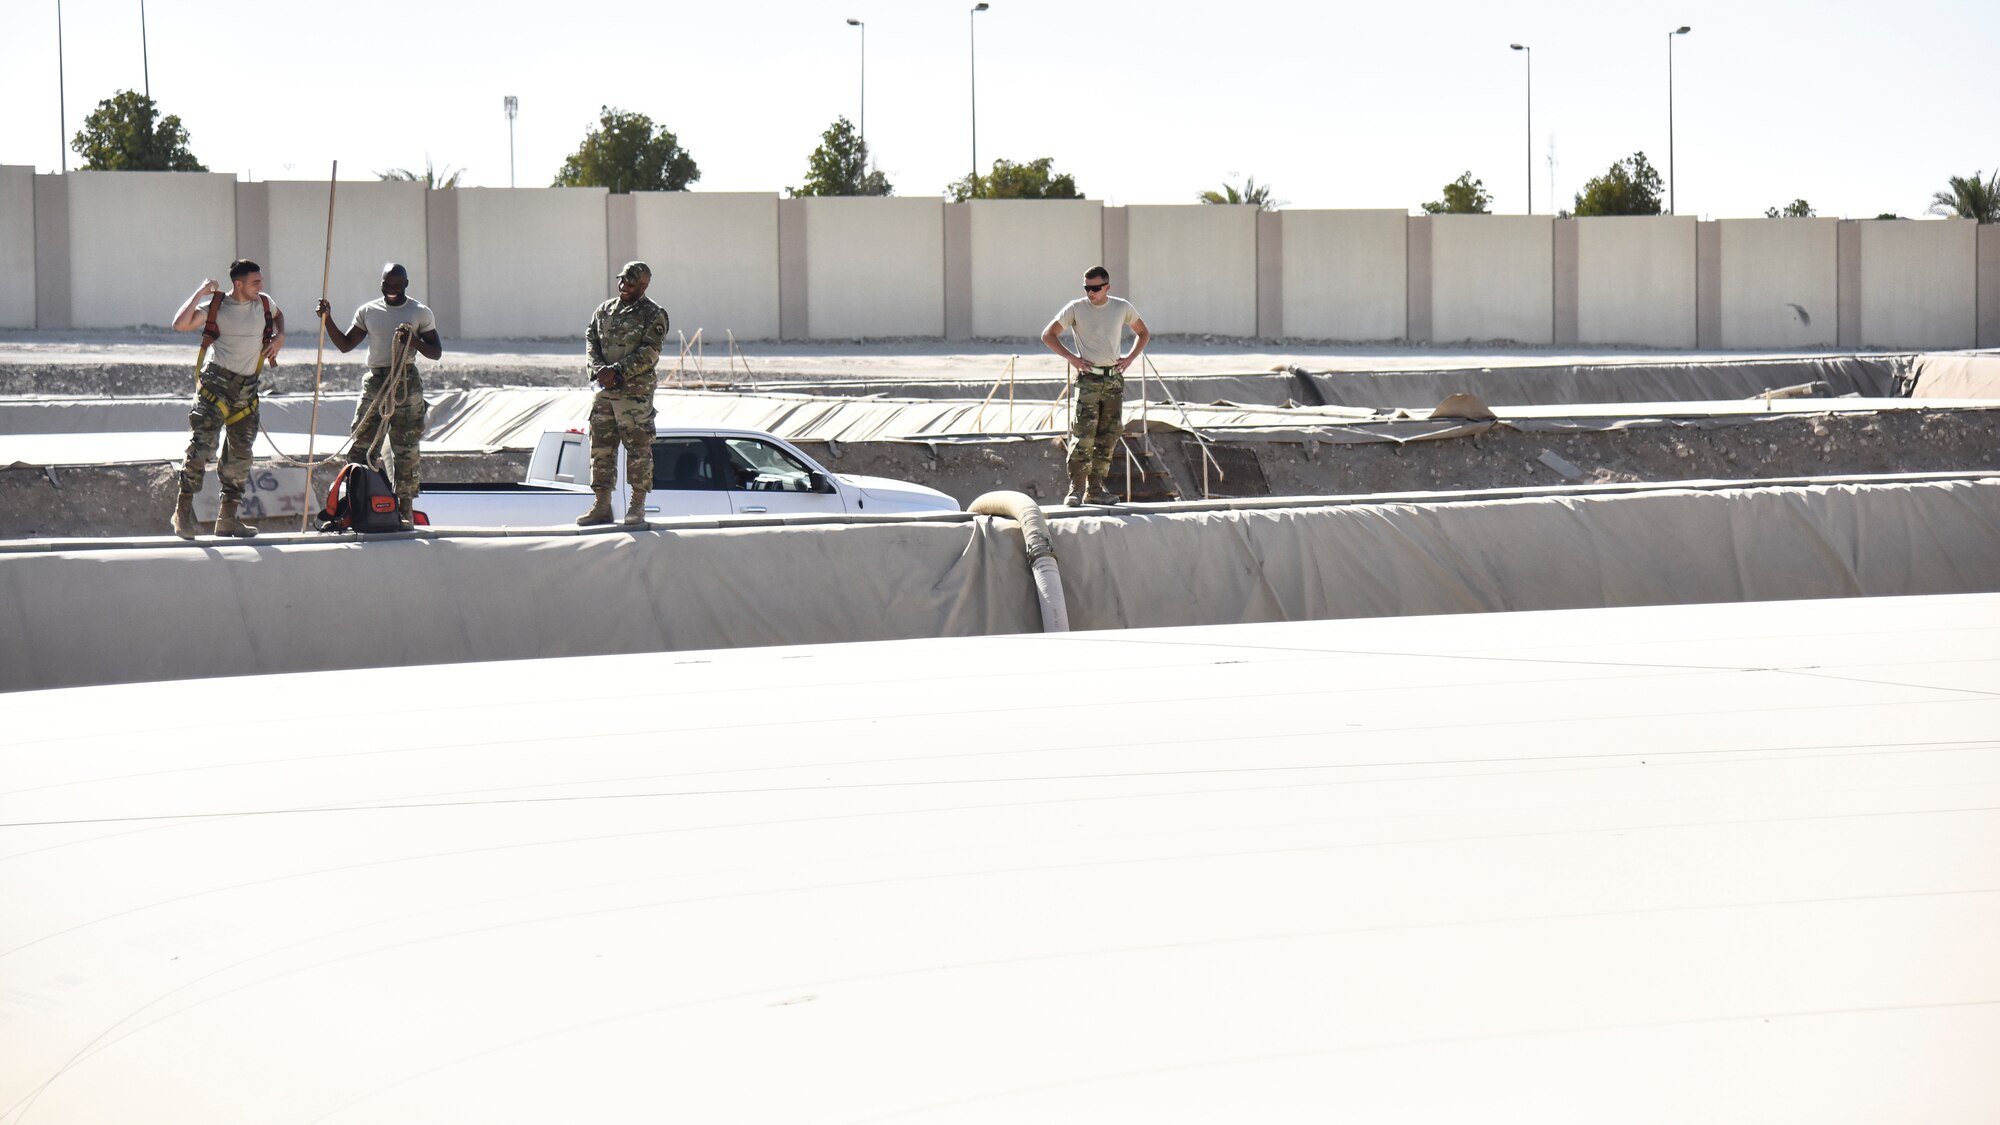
x=818, y=482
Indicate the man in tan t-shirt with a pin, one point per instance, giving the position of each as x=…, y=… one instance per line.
x=244, y=328
x=398, y=327
x=1096, y=321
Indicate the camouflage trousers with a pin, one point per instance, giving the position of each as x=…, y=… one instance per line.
x=616, y=418
x=1100, y=418
x=223, y=402
x=407, y=413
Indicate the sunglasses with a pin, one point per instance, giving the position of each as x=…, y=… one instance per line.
x=1098, y=288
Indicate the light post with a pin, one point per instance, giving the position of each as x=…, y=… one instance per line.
x=62, y=120
x=1670, y=117
x=145, y=60
x=511, y=105
x=1531, y=121
x=864, y=83
x=972, y=23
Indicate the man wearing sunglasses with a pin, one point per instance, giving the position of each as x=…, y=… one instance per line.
x=1096, y=322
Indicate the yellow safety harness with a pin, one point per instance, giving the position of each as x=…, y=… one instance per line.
x=211, y=332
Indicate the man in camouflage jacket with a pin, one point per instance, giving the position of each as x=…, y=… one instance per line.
x=622, y=347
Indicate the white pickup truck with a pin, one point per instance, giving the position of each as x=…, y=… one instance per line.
x=696, y=472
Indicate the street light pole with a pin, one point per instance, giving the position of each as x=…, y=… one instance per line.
x=512, y=106
x=145, y=59
x=1671, y=205
x=62, y=119
x=972, y=23
x=864, y=81
x=1531, y=122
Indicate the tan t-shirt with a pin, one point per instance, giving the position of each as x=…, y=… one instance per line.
x=1099, y=330
x=381, y=319
x=241, y=324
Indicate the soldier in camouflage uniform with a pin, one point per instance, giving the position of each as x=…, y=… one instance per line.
x=395, y=320
x=1096, y=321
x=622, y=347
x=245, y=328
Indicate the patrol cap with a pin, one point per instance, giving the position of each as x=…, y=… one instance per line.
x=636, y=270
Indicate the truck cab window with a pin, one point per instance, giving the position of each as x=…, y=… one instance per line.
x=682, y=464
x=571, y=458
x=759, y=466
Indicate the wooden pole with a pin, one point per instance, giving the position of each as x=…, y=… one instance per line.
x=319, y=358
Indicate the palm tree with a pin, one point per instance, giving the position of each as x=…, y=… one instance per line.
x=435, y=178
x=1253, y=193
x=1969, y=198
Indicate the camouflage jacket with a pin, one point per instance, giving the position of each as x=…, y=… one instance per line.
x=628, y=337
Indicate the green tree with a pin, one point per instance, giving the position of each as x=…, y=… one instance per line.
x=1796, y=209
x=126, y=134
x=438, y=179
x=1462, y=196
x=624, y=153
x=1631, y=187
x=1888, y=215
x=1970, y=198
x=1036, y=179
x=839, y=166
x=1251, y=193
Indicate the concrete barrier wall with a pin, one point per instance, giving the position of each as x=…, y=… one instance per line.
x=17, y=246
x=1492, y=279
x=141, y=242
x=1194, y=268
x=874, y=267
x=1345, y=274
x=531, y=261
x=1780, y=283
x=1989, y=285
x=1919, y=283
x=123, y=249
x=373, y=224
x=1028, y=258
x=715, y=261
x=1636, y=281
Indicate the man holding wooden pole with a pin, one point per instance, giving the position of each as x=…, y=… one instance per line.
x=394, y=324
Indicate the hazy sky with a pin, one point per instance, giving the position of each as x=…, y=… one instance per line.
x=1858, y=107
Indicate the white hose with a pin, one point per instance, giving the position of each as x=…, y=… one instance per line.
x=1021, y=508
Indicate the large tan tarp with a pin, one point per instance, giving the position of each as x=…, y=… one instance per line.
x=164, y=610
x=1724, y=864
x=1956, y=376
x=516, y=418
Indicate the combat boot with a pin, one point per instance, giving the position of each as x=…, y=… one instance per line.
x=227, y=523
x=635, y=512
x=1076, y=491
x=406, y=518
x=184, y=525
x=599, y=512
x=1098, y=493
